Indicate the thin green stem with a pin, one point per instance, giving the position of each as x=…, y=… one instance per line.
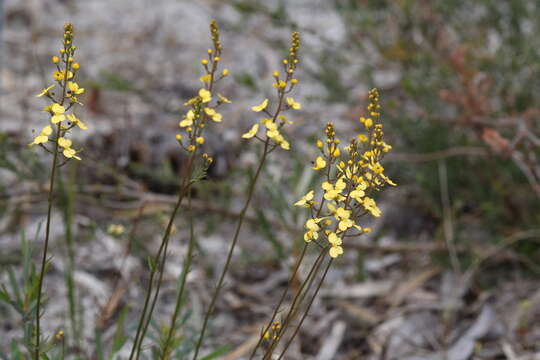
x=137, y=343
x=180, y=295
x=297, y=300
x=46, y=246
x=282, y=298
x=231, y=249
x=297, y=329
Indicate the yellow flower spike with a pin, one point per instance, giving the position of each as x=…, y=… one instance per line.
x=223, y=99
x=74, y=88
x=320, y=163
x=45, y=91
x=305, y=200
x=252, y=132
x=205, y=95
x=261, y=106
x=293, y=104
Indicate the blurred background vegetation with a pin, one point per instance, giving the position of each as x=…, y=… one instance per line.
x=459, y=83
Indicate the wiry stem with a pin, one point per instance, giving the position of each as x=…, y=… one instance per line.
x=185, y=270
x=46, y=246
x=144, y=319
x=297, y=329
x=231, y=249
x=297, y=300
x=280, y=302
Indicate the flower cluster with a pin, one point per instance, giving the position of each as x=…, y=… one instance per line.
x=201, y=105
x=352, y=174
x=63, y=101
x=284, y=84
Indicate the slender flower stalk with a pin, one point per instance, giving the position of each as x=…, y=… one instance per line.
x=193, y=123
x=280, y=302
x=297, y=300
x=274, y=139
x=297, y=328
x=61, y=124
x=168, y=344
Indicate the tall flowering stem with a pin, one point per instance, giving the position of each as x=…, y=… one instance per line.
x=272, y=139
x=61, y=123
x=352, y=174
x=193, y=124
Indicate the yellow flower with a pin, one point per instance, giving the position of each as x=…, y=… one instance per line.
x=335, y=251
x=293, y=104
x=65, y=143
x=280, y=84
x=188, y=120
x=74, y=119
x=200, y=140
x=225, y=72
x=45, y=91
x=214, y=115
x=223, y=99
x=320, y=163
x=252, y=132
x=75, y=66
x=371, y=206
x=55, y=59
x=261, y=106
x=43, y=136
x=358, y=193
x=206, y=78
x=178, y=137
x=305, y=201
x=57, y=75
x=362, y=138
x=205, y=95
x=330, y=191
x=116, y=229
x=70, y=153
x=334, y=240
x=58, y=113
x=74, y=88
